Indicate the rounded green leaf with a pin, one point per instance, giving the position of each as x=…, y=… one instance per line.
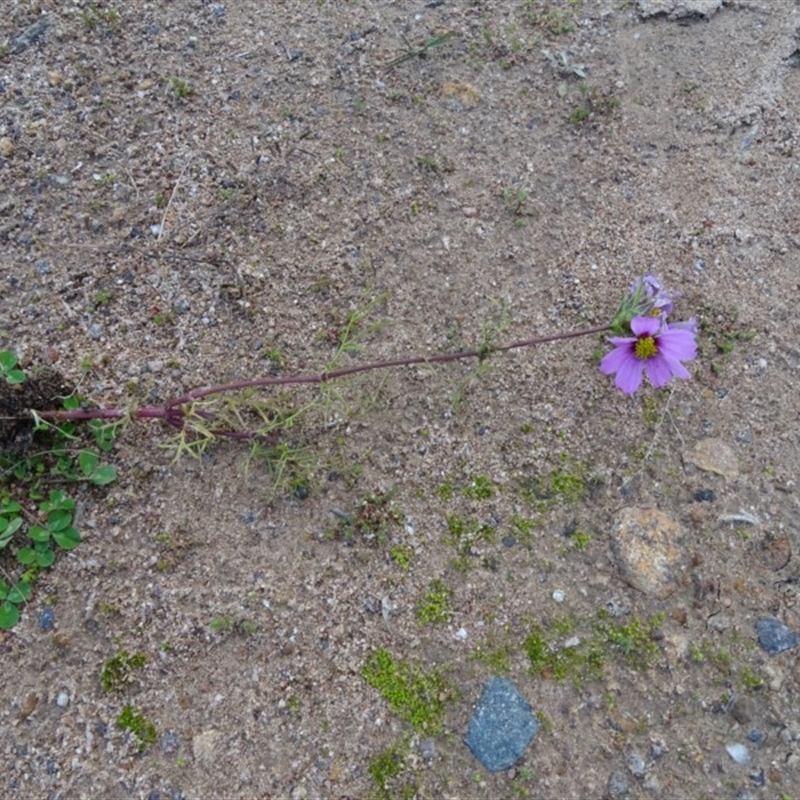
x=8, y=360
x=104, y=475
x=45, y=557
x=9, y=616
x=26, y=555
x=69, y=539
x=58, y=500
x=39, y=534
x=88, y=461
x=8, y=527
x=20, y=593
x=59, y=519
x=8, y=534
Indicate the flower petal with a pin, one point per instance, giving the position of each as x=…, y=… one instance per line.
x=688, y=325
x=645, y=326
x=677, y=344
x=629, y=375
x=615, y=360
x=658, y=370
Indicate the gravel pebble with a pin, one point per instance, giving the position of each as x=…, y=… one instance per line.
x=756, y=736
x=743, y=709
x=636, y=764
x=47, y=618
x=29, y=36
x=502, y=725
x=738, y=752
x=618, y=784
x=774, y=636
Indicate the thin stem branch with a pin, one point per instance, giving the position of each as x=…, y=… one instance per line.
x=173, y=414
x=324, y=377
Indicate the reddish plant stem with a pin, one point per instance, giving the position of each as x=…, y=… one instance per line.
x=173, y=415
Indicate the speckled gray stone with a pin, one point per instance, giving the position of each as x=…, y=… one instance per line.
x=678, y=9
x=502, y=725
x=774, y=636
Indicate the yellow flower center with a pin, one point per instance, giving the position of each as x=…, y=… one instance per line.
x=645, y=348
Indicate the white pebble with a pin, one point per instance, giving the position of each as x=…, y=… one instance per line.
x=62, y=699
x=738, y=752
x=559, y=596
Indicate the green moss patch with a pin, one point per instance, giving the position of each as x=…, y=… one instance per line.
x=415, y=696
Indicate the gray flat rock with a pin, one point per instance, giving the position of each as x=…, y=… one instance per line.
x=678, y=9
x=29, y=36
x=502, y=725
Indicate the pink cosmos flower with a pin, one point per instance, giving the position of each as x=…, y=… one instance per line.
x=646, y=297
x=652, y=293
x=655, y=347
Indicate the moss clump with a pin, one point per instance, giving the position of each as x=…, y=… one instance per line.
x=557, y=487
x=494, y=655
x=478, y=488
x=402, y=556
x=583, y=661
x=132, y=720
x=435, y=606
x=464, y=534
x=384, y=768
x=372, y=521
x=633, y=639
x=117, y=671
x=749, y=679
x=571, y=488
x=444, y=491
x=586, y=657
x=416, y=697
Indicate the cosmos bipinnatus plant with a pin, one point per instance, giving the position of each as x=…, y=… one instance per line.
x=35, y=525
x=644, y=342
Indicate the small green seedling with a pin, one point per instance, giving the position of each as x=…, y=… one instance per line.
x=94, y=15
x=33, y=538
x=57, y=528
x=11, y=597
x=562, y=61
x=226, y=623
x=182, y=89
x=10, y=520
x=419, y=52
x=8, y=368
x=516, y=200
